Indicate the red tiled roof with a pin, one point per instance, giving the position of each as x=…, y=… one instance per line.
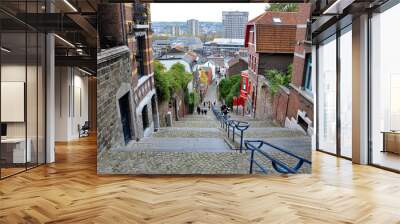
x=275, y=32
x=275, y=39
x=287, y=18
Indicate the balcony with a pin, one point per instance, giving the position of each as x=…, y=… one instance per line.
x=141, y=14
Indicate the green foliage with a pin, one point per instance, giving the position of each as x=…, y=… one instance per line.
x=169, y=82
x=277, y=78
x=228, y=88
x=193, y=100
x=282, y=7
x=235, y=91
x=162, y=82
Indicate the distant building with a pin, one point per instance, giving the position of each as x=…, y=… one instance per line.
x=175, y=31
x=234, y=23
x=193, y=27
x=223, y=46
x=235, y=66
x=160, y=47
x=188, y=43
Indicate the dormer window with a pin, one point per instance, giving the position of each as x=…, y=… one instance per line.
x=277, y=20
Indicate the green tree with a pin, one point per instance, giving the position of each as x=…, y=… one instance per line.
x=229, y=88
x=282, y=7
x=173, y=81
x=162, y=82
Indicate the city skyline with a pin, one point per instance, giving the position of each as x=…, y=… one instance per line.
x=160, y=12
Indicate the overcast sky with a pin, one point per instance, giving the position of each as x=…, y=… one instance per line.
x=201, y=11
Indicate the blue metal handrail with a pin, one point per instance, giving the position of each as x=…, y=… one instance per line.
x=241, y=126
x=279, y=166
x=227, y=123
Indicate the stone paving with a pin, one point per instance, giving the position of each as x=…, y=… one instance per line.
x=145, y=162
x=178, y=144
x=186, y=132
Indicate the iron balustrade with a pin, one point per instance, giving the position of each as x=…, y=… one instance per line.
x=279, y=166
x=227, y=124
x=242, y=126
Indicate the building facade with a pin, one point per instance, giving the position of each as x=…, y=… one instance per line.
x=193, y=27
x=224, y=47
x=235, y=66
x=234, y=23
x=175, y=31
x=127, y=102
x=277, y=41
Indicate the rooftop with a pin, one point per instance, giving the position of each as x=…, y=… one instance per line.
x=226, y=41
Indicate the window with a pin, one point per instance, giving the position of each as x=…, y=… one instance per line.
x=326, y=107
x=307, y=74
x=385, y=89
x=277, y=20
x=244, y=84
x=140, y=56
x=22, y=85
x=346, y=93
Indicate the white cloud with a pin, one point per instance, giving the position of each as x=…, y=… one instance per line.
x=201, y=11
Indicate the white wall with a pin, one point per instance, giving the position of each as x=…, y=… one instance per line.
x=71, y=87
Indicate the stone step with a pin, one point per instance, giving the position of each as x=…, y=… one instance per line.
x=197, y=124
x=188, y=132
x=199, y=118
x=300, y=146
x=178, y=144
x=269, y=132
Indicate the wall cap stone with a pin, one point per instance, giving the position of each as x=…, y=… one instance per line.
x=111, y=53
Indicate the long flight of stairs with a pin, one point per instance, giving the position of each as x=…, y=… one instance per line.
x=194, y=145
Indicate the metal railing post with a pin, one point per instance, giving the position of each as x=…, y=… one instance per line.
x=229, y=127
x=251, y=161
x=233, y=135
x=241, y=140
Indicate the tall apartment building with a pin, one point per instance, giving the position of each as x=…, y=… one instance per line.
x=175, y=30
x=193, y=27
x=234, y=23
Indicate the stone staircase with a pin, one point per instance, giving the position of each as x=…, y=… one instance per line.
x=194, y=145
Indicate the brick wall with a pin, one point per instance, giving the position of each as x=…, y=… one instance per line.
x=237, y=68
x=272, y=107
x=112, y=74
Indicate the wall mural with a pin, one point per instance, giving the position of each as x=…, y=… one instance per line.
x=169, y=96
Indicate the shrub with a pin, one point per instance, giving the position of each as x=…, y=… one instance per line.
x=277, y=78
